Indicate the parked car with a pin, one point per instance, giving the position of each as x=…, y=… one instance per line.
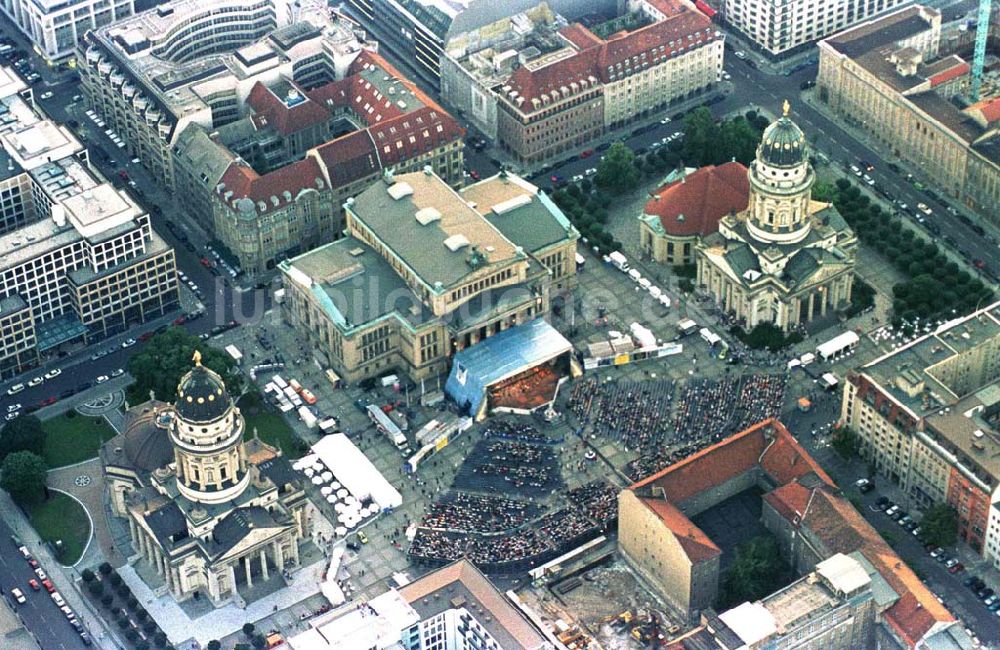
x=34, y=584
x=35, y=381
x=936, y=552
x=864, y=485
x=18, y=595
x=101, y=379
x=52, y=374
x=956, y=568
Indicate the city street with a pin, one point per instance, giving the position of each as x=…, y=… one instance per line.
x=40, y=614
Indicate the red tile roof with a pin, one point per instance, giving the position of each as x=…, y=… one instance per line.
x=349, y=158
x=402, y=126
x=693, y=540
x=580, y=36
x=530, y=84
x=709, y=467
x=595, y=58
x=842, y=529
x=783, y=459
x=789, y=500
x=282, y=184
x=694, y=205
x=988, y=108
x=684, y=27
x=272, y=110
x=953, y=72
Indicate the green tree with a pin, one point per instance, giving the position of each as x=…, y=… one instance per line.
x=22, y=434
x=617, y=172
x=24, y=477
x=165, y=359
x=940, y=525
x=88, y=575
x=105, y=568
x=214, y=645
x=845, y=443
x=823, y=191
x=701, y=137
x=739, y=142
x=755, y=571
x=248, y=629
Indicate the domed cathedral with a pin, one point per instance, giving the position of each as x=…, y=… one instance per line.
x=208, y=512
x=786, y=259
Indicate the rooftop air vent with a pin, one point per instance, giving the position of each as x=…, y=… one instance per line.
x=427, y=216
x=512, y=204
x=456, y=242
x=399, y=190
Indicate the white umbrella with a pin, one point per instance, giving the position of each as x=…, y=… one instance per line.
x=318, y=466
x=340, y=531
x=342, y=493
x=326, y=490
x=332, y=498
x=327, y=476
x=375, y=507
x=308, y=471
x=317, y=480
x=339, y=507
x=350, y=499
x=350, y=523
x=343, y=517
x=335, y=485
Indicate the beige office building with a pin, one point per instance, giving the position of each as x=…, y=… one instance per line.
x=427, y=271
x=925, y=416
x=887, y=78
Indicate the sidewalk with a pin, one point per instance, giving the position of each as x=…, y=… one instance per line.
x=64, y=579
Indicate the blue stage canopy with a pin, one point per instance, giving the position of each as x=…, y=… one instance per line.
x=500, y=356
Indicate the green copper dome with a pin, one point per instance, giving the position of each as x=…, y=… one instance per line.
x=783, y=144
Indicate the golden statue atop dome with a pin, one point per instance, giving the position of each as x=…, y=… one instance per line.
x=785, y=108
x=197, y=357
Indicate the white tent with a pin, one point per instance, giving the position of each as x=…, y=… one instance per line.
x=838, y=345
x=355, y=472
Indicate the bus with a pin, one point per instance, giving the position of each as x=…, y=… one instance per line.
x=385, y=424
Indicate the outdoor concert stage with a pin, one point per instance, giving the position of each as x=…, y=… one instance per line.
x=518, y=370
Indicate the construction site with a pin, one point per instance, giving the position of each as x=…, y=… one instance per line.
x=602, y=608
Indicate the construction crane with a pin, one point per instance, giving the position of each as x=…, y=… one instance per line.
x=979, y=54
